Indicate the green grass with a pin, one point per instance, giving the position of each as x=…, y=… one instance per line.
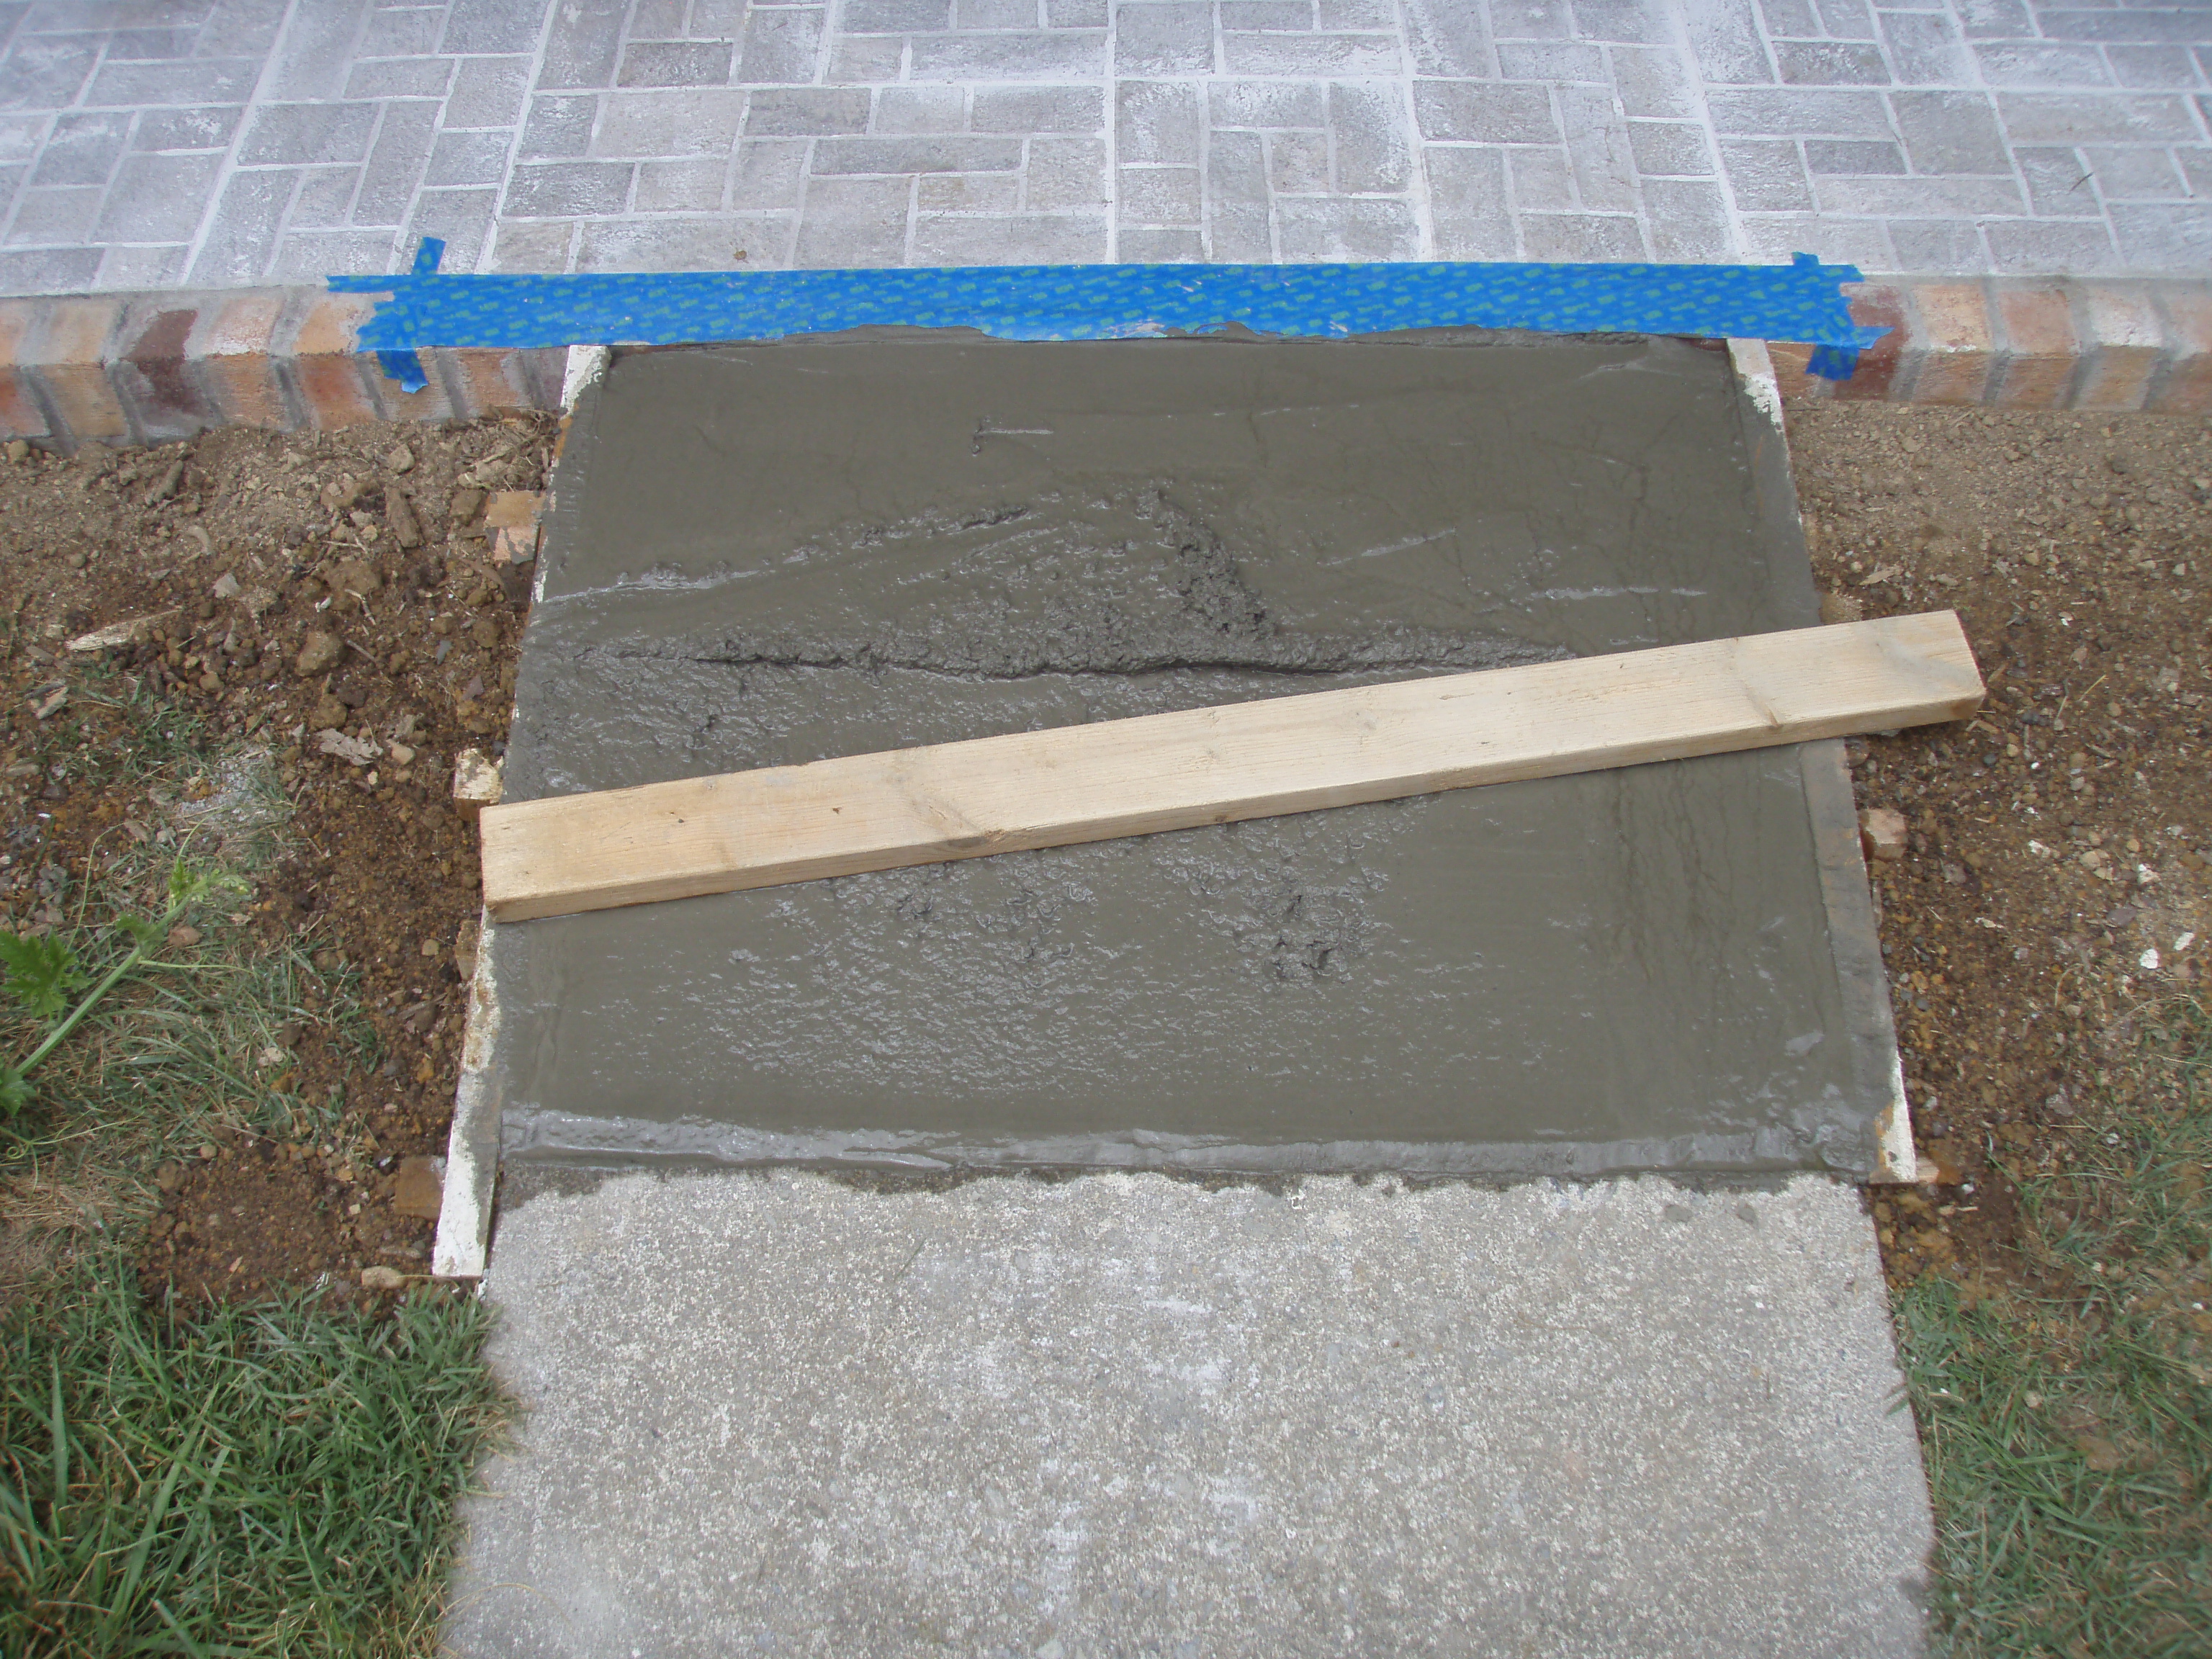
x=276, y=1479
x=191, y=1038
x=272, y=1480
x=2068, y=1437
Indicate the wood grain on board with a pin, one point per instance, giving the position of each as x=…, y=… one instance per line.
x=1217, y=764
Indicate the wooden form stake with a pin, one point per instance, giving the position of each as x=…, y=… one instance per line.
x=1214, y=765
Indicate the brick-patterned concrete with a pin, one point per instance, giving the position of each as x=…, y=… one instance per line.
x=151, y=143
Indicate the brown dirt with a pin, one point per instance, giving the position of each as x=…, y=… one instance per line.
x=257, y=547
x=2057, y=877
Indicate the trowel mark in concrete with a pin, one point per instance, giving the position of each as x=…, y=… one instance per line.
x=770, y=555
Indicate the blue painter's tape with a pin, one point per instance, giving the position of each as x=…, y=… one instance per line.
x=1800, y=300
x=401, y=364
x=404, y=367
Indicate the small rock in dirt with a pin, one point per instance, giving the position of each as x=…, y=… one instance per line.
x=401, y=754
x=19, y=451
x=514, y=508
x=329, y=961
x=1842, y=608
x=183, y=937
x=319, y=652
x=207, y=1151
x=475, y=781
x=168, y=1177
x=166, y=485
x=352, y=579
x=357, y=751
x=225, y=586
x=330, y=711
x=467, y=504
x=514, y=545
x=383, y=1278
x=1882, y=834
x=399, y=519
x=74, y=560
x=418, y=1187
x=465, y=948
x=400, y=459
x=341, y=492
x=485, y=631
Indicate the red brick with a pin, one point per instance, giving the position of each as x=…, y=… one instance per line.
x=67, y=354
x=232, y=355
x=1789, y=358
x=149, y=368
x=314, y=349
x=1956, y=341
x=1877, y=305
x=2041, y=348
x=486, y=381
x=430, y=404
x=2124, y=345
x=544, y=370
x=2185, y=387
x=20, y=414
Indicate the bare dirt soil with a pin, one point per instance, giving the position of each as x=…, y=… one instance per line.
x=2055, y=881
x=302, y=594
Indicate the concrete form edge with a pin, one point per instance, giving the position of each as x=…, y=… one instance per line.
x=464, y=1237
x=150, y=367
x=1855, y=939
x=463, y=1246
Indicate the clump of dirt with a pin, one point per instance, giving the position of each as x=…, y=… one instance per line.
x=326, y=606
x=2055, y=880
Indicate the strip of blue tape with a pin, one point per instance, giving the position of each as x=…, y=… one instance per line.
x=402, y=364
x=1800, y=300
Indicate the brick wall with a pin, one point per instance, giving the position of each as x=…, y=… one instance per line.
x=2027, y=342
x=144, y=369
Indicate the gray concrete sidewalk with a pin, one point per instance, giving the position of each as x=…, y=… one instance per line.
x=1127, y=1415
x=146, y=144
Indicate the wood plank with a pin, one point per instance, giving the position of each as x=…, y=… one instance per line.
x=1215, y=765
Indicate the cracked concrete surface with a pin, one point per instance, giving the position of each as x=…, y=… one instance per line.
x=1126, y=1414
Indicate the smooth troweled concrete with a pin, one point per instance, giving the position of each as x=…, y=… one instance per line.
x=771, y=554
x=1125, y=1414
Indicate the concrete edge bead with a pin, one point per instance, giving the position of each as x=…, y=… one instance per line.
x=132, y=368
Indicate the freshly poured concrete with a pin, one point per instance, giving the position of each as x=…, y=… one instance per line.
x=1123, y=1415
x=771, y=554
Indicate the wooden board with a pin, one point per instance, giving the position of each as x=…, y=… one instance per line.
x=1214, y=765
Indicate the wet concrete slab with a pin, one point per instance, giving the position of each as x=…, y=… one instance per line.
x=1127, y=1415
x=769, y=554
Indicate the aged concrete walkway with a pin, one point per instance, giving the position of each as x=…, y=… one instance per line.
x=150, y=143
x=1125, y=1415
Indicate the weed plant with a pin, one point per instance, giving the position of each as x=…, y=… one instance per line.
x=2069, y=1437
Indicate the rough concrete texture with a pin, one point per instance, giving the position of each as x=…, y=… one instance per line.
x=765, y=556
x=1123, y=1415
